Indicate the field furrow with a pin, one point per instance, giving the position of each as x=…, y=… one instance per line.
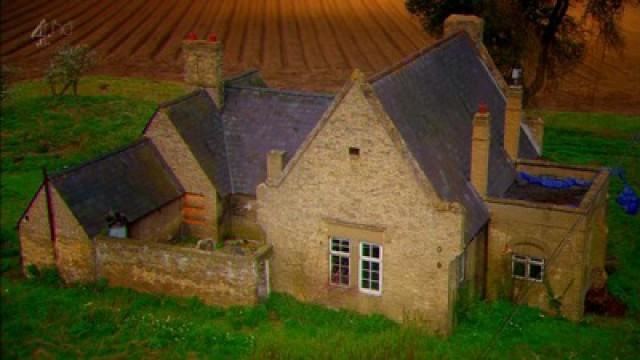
x=311, y=49
x=305, y=44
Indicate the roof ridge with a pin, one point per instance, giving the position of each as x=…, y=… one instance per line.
x=284, y=91
x=242, y=75
x=137, y=142
x=180, y=99
x=412, y=57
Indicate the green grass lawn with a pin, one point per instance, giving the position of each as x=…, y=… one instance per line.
x=41, y=318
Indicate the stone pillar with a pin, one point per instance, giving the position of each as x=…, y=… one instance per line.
x=472, y=24
x=275, y=164
x=203, y=65
x=480, y=143
x=512, y=118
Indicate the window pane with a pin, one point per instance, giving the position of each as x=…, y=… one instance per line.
x=345, y=245
x=365, y=265
x=374, y=276
x=518, y=269
x=535, y=271
x=375, y=266
x=365, y=274
x=376, y=251
x=365, y=250
x=375, y=285
x=365, y=284
x=344, y=279
x=335, y=259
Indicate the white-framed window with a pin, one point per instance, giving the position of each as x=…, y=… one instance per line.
x=370, y=268
x=527, y=267
x=339, y=261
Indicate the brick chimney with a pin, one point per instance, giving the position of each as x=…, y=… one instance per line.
x=472, y=24
x=480, y=143
x=203, y=65
x=512, y=119
x=275, y=164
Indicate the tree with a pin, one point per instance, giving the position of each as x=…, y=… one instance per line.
x=545, y=28
x=68, y=64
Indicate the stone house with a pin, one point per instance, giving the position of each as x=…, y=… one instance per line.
x=389, y=197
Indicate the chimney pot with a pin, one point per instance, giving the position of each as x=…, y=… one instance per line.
x=213, y=37
x=191, y=36
x=483, y=108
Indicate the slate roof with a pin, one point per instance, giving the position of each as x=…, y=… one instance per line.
x=198, y=121
x=527, y=148
x=134, y=181
x=258, y=120
x=432, y=98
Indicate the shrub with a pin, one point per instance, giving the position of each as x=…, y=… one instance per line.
x=68, y=64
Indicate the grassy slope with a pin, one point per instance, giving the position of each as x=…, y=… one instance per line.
x=38, y=317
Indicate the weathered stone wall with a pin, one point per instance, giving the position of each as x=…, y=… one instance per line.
x=35, y=235
x=378, y=196
x=176, y=153
x=242, y=220
x=160, y=225
x=577, y=236
x=75, y=251
x=217, y=277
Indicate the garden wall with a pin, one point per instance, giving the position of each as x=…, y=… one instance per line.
x=216, y=277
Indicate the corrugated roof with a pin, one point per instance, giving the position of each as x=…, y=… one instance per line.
x=198, y=121
x=134, y=181
x=432, y=98
x=258, y=120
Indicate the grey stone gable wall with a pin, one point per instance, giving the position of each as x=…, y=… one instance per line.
x=432, y=99
x=133, y=181
x=257, y=120
x=199, y=123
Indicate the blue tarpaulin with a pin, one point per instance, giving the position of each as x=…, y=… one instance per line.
x=553, y=183
x=628, y=198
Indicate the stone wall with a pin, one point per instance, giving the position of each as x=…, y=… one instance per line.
x=216, y=277
x=378, y=196
x=184, y=165
x=160, y=225
x=74, y=250
x=571, y=240
x=35, y=235
x=242, y=218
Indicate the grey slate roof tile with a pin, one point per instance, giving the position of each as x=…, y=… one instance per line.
x=432, y=99
x=527, y=148
x=198, y=121
x=258, y=120
x=134, y=181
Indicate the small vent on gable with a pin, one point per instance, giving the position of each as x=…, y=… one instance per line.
x=354, y=151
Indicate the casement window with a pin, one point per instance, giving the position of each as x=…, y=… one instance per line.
x=527, y=267
x=339, y=259
x=370, y=268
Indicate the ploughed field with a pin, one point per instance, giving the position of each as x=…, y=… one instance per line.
x=302, y=44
